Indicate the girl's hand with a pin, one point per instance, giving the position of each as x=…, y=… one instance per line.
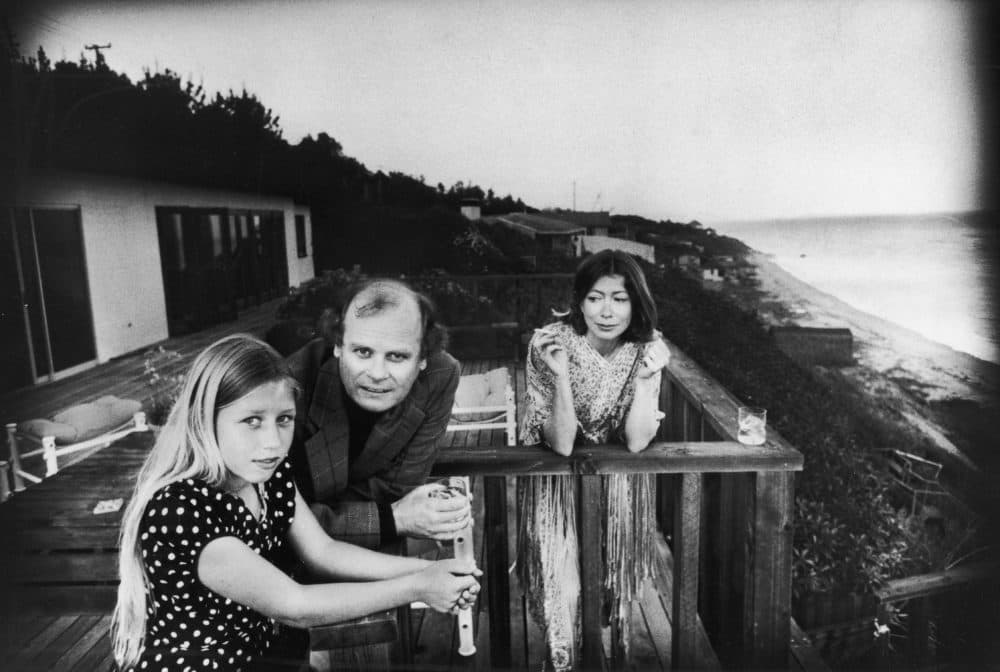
x=552, y=352
x=449, y=585
x=657, y=356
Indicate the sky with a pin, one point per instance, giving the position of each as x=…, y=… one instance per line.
x=718, y=110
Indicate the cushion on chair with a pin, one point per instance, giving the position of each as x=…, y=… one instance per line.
x=84, y=421
x=40, y=427
x=481, y=389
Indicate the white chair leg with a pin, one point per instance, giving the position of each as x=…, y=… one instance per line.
x=511, y=416
x=51, y=460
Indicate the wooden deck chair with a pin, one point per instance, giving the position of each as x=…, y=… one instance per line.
x=917, y=475
x=78, y=428
x=485, y=401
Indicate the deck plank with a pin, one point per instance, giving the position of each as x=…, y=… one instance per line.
x=17, y=630
x=81, y=633
x=24, y=658
x=651, y=642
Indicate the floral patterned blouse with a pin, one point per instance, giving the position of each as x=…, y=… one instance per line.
x=602, y=388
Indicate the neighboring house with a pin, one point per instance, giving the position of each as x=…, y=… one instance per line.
x=596, y=223
x=598, y=243
x=551, y=235
x=813, y=345
x=471, y=208
x=679, y=255
x=688, y=261
x=93, y=267
x=675, y=239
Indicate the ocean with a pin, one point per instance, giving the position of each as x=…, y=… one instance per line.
x=934, y=274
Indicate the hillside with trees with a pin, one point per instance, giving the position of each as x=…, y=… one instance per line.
x=84, y=116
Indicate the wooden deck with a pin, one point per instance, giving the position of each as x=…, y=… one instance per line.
x=66, y=554
x=58, y=626
x=125, y=376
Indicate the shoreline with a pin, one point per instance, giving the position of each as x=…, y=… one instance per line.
x=948, y=396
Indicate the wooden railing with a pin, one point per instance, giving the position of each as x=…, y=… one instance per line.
x=937, y=606
x=725, y=507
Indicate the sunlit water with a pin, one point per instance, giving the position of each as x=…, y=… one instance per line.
x=933, y=274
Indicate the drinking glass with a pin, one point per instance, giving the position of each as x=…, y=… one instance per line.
x=751, y=423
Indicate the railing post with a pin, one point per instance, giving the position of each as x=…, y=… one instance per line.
x=497, y=582
x=591, y=574
x=918, y=635
x=687, y=530
x=15, y=458
x=768, y=594
x=4, y=485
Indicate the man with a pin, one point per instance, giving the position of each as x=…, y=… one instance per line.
x=371, y=411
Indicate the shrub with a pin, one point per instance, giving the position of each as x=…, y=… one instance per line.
x=165, y=384
x=848, y=536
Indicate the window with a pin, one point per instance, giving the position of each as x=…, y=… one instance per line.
x=300, y=235
x=215, y=222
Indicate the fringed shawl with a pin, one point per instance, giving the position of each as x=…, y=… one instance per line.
x=548, y=547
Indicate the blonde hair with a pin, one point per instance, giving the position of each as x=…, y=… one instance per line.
x=186, y=447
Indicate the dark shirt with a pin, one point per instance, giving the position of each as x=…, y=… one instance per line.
x=360, y=423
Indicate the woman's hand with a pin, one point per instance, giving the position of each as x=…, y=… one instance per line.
x=657, y=356
x=448, y=585
x=552, y=352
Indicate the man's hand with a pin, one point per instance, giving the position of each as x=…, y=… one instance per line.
x=423, y=515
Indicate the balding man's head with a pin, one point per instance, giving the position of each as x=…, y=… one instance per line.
x=378, y=295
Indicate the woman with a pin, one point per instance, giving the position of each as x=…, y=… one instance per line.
x=213, y=507
x=592, y=377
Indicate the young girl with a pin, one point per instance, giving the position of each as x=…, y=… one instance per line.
x=592, y=377
x=214, y=504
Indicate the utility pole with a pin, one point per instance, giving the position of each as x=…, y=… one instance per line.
x=96, y=48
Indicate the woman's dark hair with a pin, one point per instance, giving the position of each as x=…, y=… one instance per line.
x=614, y=262
x=380, y=294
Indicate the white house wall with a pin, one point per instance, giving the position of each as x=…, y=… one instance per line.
x=598, y=243
x=300, y=269
x=121, y=247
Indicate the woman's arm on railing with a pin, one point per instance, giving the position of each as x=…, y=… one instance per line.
x=644, y=415
x=559, y=429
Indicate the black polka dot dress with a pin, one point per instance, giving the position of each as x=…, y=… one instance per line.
x=189, y=627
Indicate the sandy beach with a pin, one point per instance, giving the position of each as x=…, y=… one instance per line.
x=947, y=395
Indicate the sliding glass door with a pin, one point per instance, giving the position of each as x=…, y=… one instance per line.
x=216, y=261
x=50, y=328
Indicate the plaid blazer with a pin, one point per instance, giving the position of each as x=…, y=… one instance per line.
x=396, y=458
